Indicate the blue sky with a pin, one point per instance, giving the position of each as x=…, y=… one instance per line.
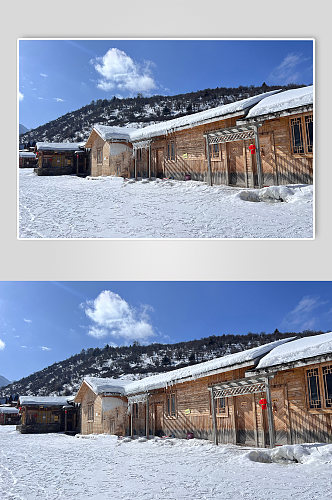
x=59, y=76
x=45, y=322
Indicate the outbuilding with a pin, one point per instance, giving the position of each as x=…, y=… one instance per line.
x=9, y=415
x=61, y=158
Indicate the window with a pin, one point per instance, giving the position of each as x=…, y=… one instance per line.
x=171, y=405
x=90, y=412
x=135, y=410
x=216, y=150
x=171, y=151
x=221, y=407
x=319, y=387
x=302, y=134
x=99, y=155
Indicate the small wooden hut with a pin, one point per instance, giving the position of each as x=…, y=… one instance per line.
x=27, y=159
x=60, y=158
x=41, y=414
x=9, y=415
x=110, y=151
x=103, y=406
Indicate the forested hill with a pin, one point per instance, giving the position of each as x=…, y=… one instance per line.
x=138, y=111
x=135, y=361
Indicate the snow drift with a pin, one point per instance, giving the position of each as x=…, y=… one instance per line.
x=275, y=194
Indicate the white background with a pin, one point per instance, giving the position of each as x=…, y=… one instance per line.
x=167, y=259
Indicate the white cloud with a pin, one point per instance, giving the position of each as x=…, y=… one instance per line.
x=20, y=96
x=24, y=346
x=287, y=71
x=43, y=75
x=302, y=316
x=58, y=99
x=41, y=98
x=119, y=71
x=112, y=316
x=27, y=320
x=44, y=348
x=2, y=345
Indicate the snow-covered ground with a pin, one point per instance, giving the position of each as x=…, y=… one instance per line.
x=109, y=207
x=55, y=466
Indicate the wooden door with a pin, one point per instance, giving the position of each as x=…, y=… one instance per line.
x=158, y=419
x=269, y=170
x=245, y=421
x=159, y=164
x=236, y=164
x=280, y=415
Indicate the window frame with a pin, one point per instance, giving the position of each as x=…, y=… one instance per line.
x=99, y=153
x=171, y=150
x=213, y=155
x=221, y=411
x=90, y=412
x=321, y=386
x=304, y=135
x=171, y=397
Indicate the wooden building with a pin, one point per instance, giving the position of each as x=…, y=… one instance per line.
x=27, y=159
x=110, y=151
x=103, y=406
x=259, y=141
x=278, y=393
x=41, y=414
x=61, y=158
x=9, y=415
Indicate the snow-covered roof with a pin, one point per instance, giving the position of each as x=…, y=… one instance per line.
x=300, y=349
x=220, y=112
x=122, y=387
x=27, y=154
x=58, y=146
x=8, y=409
x=43, y=400
x=286, y=100
x=119, y=133
x=104, y=385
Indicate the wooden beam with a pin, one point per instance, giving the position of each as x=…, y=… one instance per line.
x=147, y=418
x=209, y=176
x=270, y=414
x=135, y=164
x=214, y=418
x=131, y=420
x=258, y=158
x=255, y=419
x=226, y=165
x=149, y=161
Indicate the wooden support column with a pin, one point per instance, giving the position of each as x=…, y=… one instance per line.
x=226, y=165
x=66, y=421
x=131, y=420
x=209, y=176
x=245, y=163
x=135, y=164
x=258, y=158
x=270, y=414
x=255, y=419
x=147, y=418
x=214, y=418
x=149, y=161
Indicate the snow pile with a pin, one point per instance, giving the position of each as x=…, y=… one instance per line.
x=302, y=454
x=166, y=127
x=275, y=194
x=105, y=385
x=59, y=146
x=108, y=133
x=44, y=400
x=289, y=99
x=307, y=347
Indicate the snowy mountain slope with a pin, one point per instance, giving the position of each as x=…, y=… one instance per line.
x=22, y=129
x=139, y=111
x=135, y=362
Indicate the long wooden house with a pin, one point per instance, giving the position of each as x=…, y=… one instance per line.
x=269, y=395
x=27, y=159
x=62, y=158
x=111, y=151
x=258, y=141
x=41, y=414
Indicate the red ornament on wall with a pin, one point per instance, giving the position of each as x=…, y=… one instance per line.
x=252, y=149
x=263, y=403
